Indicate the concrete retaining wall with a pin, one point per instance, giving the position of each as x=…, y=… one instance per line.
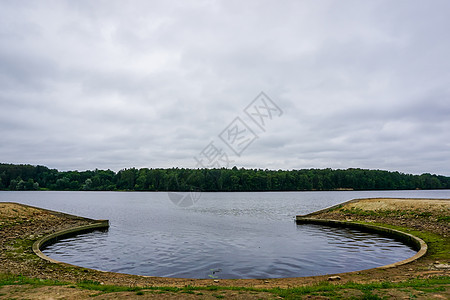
x=418, y=244
x=55, y=237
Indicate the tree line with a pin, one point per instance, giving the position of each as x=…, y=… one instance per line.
x=27, y=177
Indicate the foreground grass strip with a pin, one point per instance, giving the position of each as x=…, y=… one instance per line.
x=285, y=293
x=97, y=286
x=11, y=279
x=430, y=285
x=366, y=288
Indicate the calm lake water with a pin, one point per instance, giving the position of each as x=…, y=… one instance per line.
x=224, y=235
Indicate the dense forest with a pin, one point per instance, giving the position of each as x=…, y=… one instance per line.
x=28, y=177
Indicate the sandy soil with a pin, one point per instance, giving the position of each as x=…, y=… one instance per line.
x=424, y=205
x=21, y=225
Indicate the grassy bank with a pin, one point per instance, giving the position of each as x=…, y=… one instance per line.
x=410, y=288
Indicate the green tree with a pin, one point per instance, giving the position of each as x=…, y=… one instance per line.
x=127, y=179
x=87, y=186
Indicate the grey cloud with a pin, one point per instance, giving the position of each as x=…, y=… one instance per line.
x=105, y=85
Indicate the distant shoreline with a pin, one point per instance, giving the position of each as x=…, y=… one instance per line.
x=28, y=177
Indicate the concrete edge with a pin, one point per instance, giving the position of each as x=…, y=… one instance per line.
x=417, y=243
x=54, y=237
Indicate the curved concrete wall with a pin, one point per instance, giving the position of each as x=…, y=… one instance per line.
x=55, y=237
x=418, y=244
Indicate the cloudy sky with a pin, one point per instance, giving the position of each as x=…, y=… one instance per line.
x=116, y=84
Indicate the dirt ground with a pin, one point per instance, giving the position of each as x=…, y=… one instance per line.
x=57, y=292
x=429, y=205
x=21, y=225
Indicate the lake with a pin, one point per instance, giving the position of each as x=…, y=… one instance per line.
x=224, y=235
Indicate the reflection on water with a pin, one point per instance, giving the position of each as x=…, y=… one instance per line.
x=225, y=235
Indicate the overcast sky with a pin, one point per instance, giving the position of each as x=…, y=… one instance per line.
x=119, y=84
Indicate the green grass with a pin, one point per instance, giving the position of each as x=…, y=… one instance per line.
x=431, y=290
x=444, y=219
x=21, y=251
x=367, y=289
x=97, y=286
x=430, y=285
x=9, y=279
